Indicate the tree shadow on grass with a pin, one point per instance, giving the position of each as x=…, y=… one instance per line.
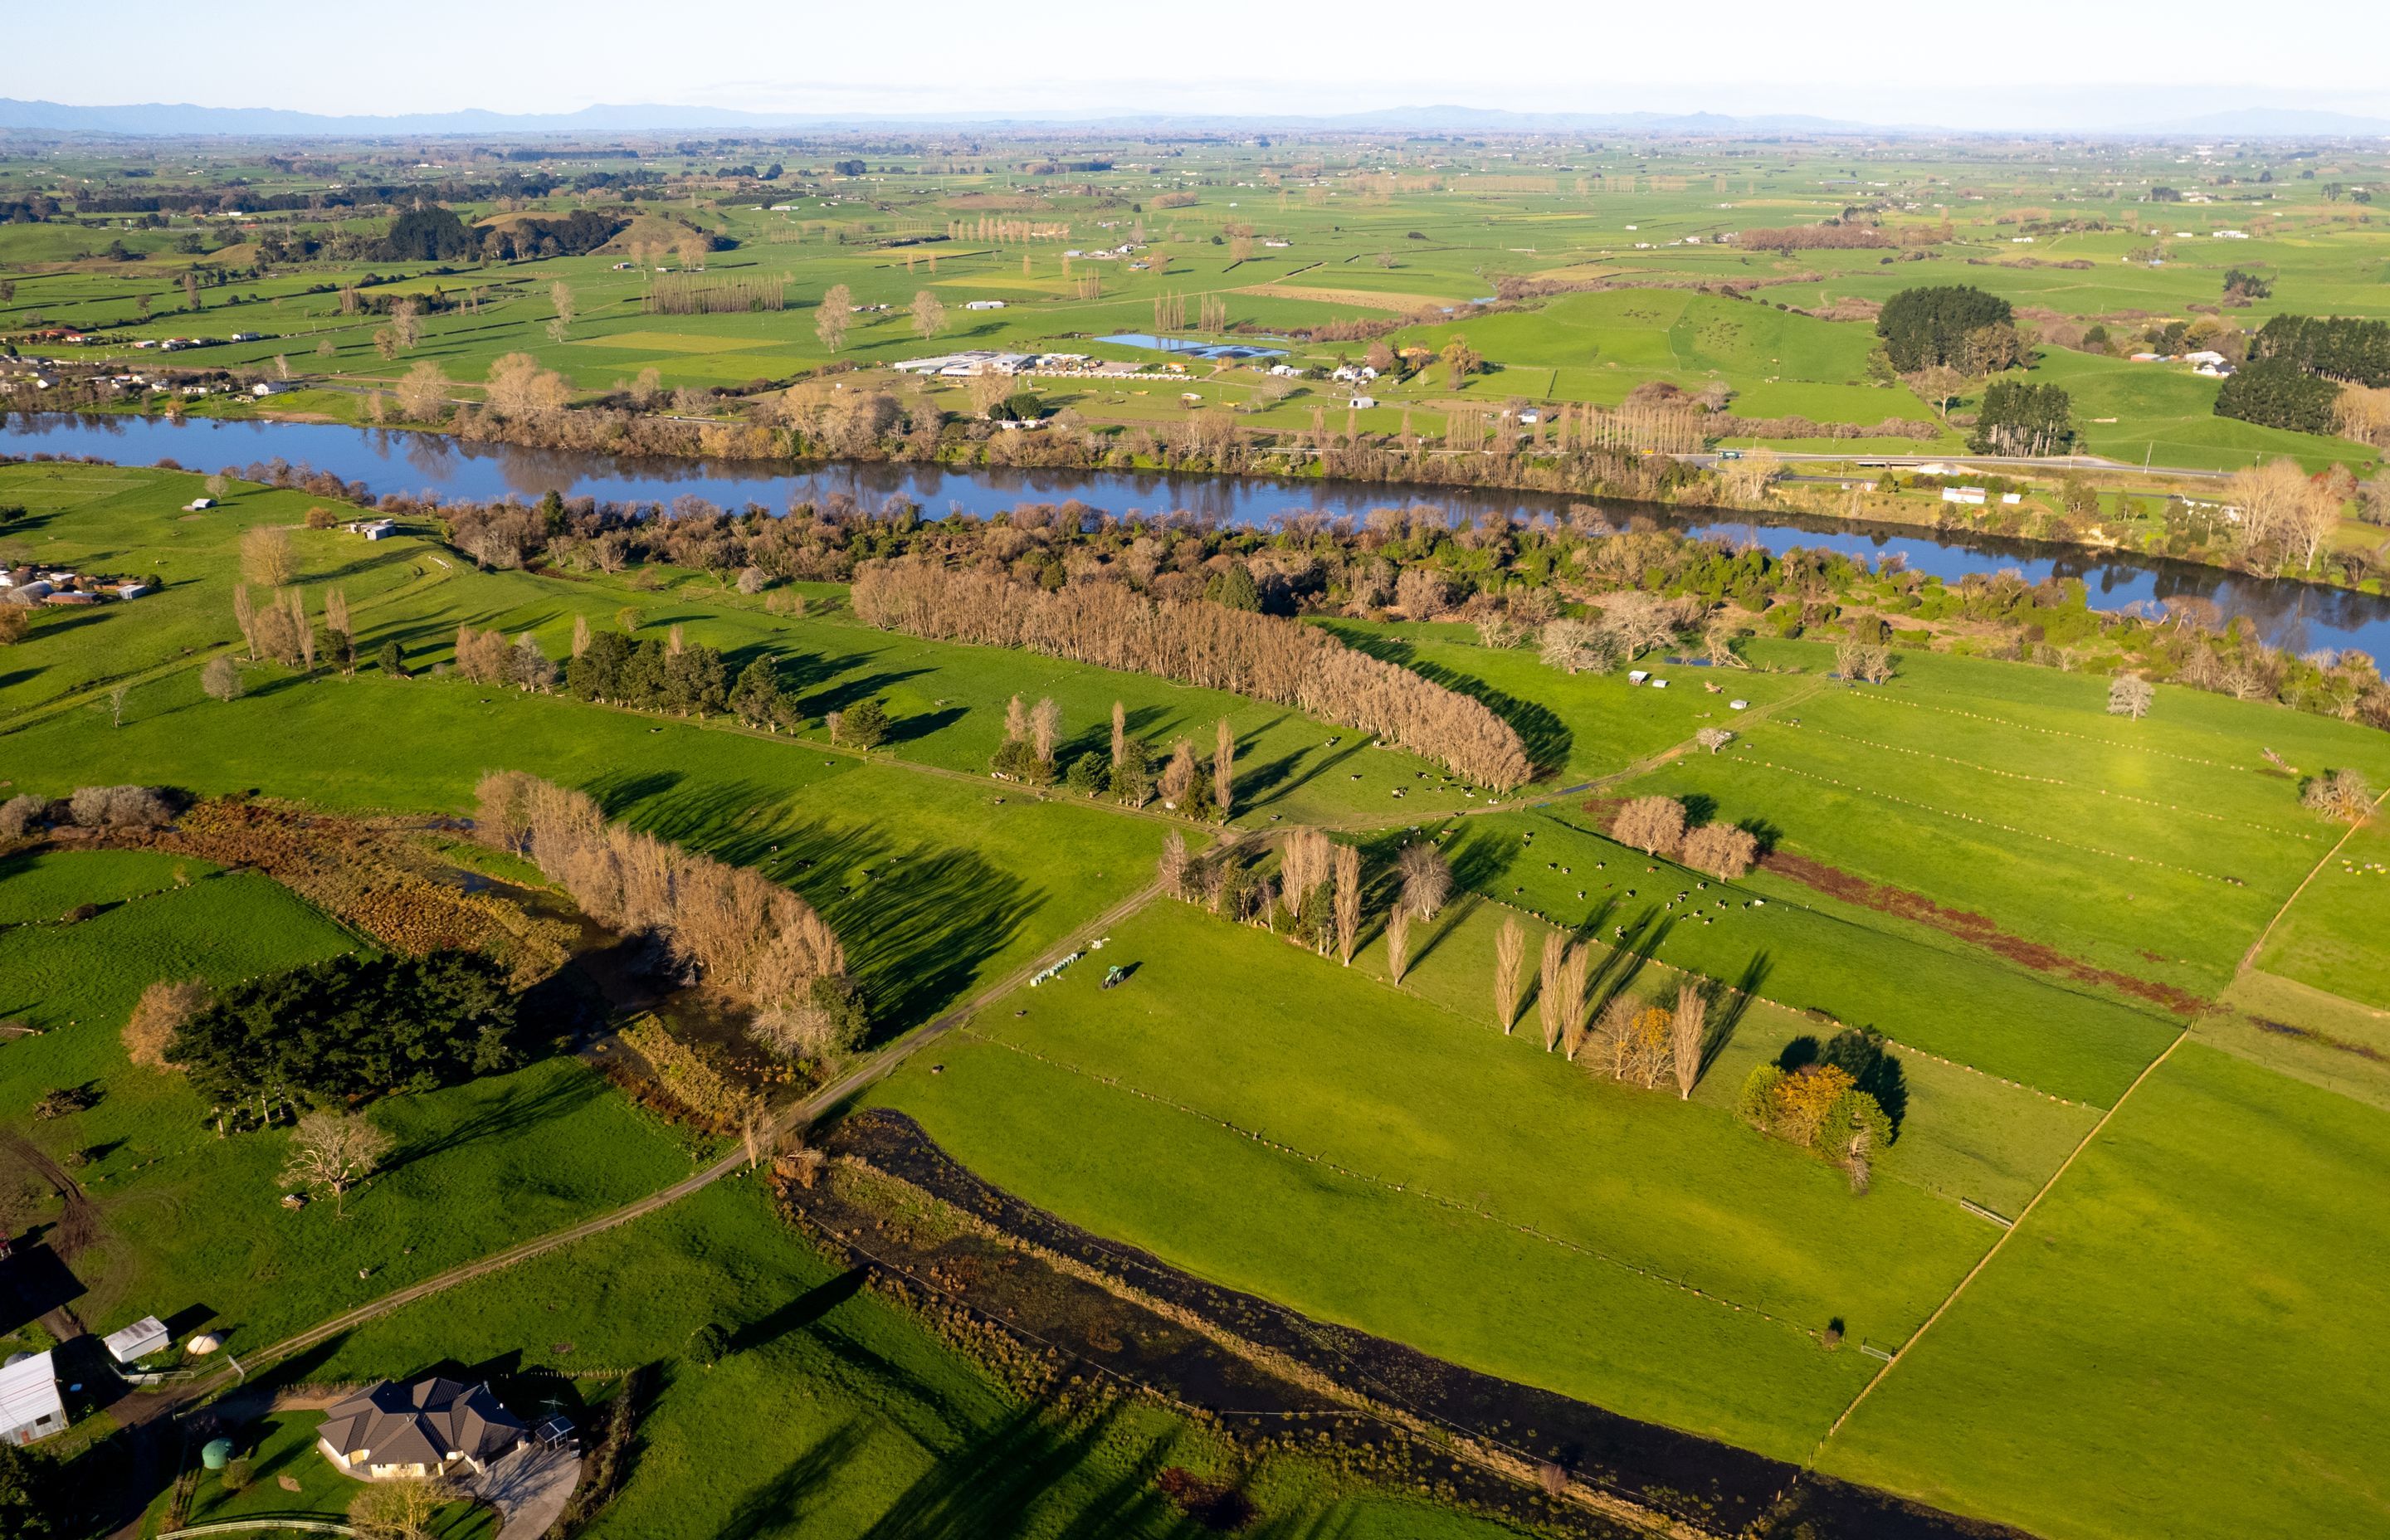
x=993, y=1486
x=800, y=1487
x=801, y=1312
x=918, y=919
x=838, y=694
x=1729, y=1006
x=517, y=1108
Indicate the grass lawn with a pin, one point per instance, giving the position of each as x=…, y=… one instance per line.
x=1809, y=952
x=1442, y=1184
x=2331, y=936
x=2181, y=1341
x=283, y=1446
x=2157, y=848
x=190, y=1226
x=954, y=887
x=834, y=1415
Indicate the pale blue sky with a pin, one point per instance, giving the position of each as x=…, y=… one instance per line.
x=2030, y=63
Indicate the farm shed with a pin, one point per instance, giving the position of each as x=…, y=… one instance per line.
x=137, y=1342
x=29, y=1407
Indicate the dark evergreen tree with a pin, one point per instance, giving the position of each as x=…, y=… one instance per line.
x=1922, y=327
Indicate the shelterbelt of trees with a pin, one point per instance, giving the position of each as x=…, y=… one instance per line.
x=1199, y=643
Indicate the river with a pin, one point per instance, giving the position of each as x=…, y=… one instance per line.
x=2302, y=617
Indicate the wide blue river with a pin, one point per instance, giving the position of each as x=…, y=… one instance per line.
x=2303, y=617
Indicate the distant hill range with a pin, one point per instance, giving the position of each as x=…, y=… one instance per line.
x=179, y=119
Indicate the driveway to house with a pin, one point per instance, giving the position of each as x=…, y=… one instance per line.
x=527, y=1488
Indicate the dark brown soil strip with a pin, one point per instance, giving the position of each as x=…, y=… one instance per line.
x=1977, y=929
x=1697, y=1480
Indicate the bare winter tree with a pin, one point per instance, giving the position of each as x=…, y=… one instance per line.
x=2343, y=795
x=244, y=615
x=1016, y=721
x=1574, y=1002
x=1547, y=991
x=1224, y=766
x=1509, y=978
x=1045, y=729
x=221, y=679
x=929, y=315
x=832, y=316
x=1171, y=870
x=1398, y=941
x=1654, y=825
x=423, y=392
x=581, y=636
x=334, y=1151
x=406, y=1508
x=1722, y=849
x=265, y=556
x=1195, y=642
x=1178, y=776
x=1427, y=881
x=1120, y=734
x=1306, y=862
x=1685, y=1029
x=162, y=1010
x=2130, y=695
x=1347, y=878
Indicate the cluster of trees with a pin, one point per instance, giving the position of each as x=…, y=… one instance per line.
x=1656, y=827
x=105, y=807
x=431, y=232
x=2340, y=348
x=1954, y=325
x=2018, y=417
x=670, y=674
x=733, y=927
x=1201, y=644
x=279, y=628
x=1841, y=1102
x=2276, y=393
x=1200, y=787
x=1835, y=236
x=2285, y=513
x=338, y=1033
x=1318, y=894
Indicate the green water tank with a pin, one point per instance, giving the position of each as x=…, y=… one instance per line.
x=217, y=1454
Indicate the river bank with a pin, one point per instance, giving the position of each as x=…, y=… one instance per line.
x=2298, y=617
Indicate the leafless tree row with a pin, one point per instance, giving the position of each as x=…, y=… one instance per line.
x=736, y=927
x=1196, y=643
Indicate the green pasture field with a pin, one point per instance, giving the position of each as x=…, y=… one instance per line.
x=2298, y=1029
x=2157, y=848
x=833, y=1414
x=190, y=1226
x=949, y=701
x=1366, y=237
x=2330, y=937
x=130, y=522
x=1425, y=1177
x=2175, y=1341
x=1788, y=943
